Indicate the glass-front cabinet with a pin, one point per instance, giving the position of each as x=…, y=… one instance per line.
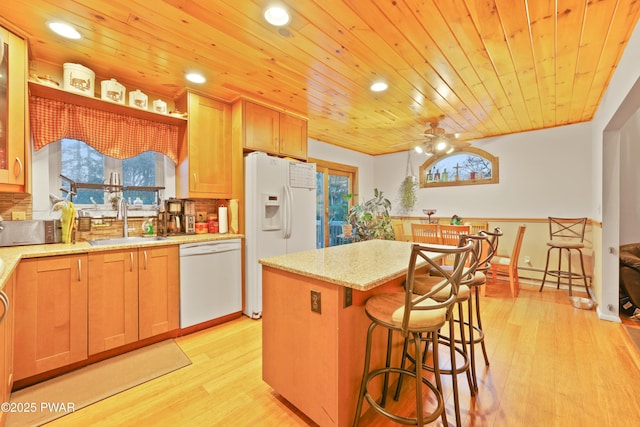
x=13, y=116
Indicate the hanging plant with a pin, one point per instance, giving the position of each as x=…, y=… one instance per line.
x=408, y=188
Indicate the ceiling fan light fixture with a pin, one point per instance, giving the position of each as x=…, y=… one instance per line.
x=64, y=30
x=450, y=150
x=441, y=145
x=418, y=149
x=276, y=15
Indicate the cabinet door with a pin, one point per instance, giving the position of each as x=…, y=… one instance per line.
x=51, y=313
x=6, y=344
x=159, y=287
x=113, y=299
x=13, y=97
x=261, y=128
x=209, y=154
x=293, y=136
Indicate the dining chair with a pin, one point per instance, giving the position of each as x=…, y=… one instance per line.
x=478, y=226
x=398, y=230
x=502, y=265
x=425, y=233
x=566, y=235
x=450, y=235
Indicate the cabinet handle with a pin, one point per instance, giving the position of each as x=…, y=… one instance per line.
x=145, y=260
x=79, y=270
x=131, y=263
x=195, y=180
x=19, y=164
x=5, y=301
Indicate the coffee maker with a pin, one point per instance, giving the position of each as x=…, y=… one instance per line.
x=189, y=219
x=177, y=217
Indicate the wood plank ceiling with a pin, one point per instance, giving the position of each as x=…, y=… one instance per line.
x=482, y=67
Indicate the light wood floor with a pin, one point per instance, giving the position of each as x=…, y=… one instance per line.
x=551, y=365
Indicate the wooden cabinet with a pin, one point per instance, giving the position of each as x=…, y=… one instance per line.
x=205, y=157
x=133, y=294
x=113, y=299
x=51, y=313
x=159, y=290
x=274, y=132
x=71, y=306
x=6, y=344
x=13, y=114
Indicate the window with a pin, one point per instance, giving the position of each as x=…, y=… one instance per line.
x=333, y=182
x=467, y=167
x=83, y=164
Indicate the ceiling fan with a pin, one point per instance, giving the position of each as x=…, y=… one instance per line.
x=438, y=141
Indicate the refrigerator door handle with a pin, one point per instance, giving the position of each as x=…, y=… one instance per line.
x=288, y=206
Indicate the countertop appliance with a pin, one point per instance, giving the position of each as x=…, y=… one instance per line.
x=280, y=216
x=30, y=232
x=210, y=281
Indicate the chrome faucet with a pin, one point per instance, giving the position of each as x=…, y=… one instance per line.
x=122, y=214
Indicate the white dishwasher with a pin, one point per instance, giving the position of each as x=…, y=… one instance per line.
x=210, y=281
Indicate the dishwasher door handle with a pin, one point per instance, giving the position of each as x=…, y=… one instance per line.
x=206, y=252
x=199, y=249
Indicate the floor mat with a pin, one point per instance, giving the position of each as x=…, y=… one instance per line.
x=46, y=401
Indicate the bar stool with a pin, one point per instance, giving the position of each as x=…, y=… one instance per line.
x=415, y=317
x=476, y=332
x=566, y=235
x=424, y=284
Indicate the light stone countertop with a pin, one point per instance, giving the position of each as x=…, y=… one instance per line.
x=10, y=256
x=361, y=266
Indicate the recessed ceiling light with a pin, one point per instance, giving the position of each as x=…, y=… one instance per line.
x=195, y=78
x=276, y=15
x=379, y=86
x=64, y=30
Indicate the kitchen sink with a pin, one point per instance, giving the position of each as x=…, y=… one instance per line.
x=133, y=240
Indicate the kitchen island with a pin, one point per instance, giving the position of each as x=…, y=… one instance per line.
x=314, y=359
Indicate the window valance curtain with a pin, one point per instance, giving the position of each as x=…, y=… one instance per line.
x=112, y=134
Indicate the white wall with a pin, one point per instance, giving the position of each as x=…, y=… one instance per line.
x=541, y=173
x=618, y=105
x=630, y=180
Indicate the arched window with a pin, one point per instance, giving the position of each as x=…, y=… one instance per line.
x=470, y=166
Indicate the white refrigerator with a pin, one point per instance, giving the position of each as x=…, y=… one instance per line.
x=280, y=216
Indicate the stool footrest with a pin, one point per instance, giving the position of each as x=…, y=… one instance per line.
x=428, y=418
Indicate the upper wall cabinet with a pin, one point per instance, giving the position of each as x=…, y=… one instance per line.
x=13, y=115
x=274, y=132
x=205, y=157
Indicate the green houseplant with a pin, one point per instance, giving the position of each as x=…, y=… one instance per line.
x=407, y=194
x=408, y=186
x=370, y=219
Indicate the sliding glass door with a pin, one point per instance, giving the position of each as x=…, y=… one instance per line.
x=334, y=181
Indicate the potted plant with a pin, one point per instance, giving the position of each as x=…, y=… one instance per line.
x=408, y=188
x=407, y=194
x=347, y=227
x=370, y=219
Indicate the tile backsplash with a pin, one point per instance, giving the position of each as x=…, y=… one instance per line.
x=16, y=202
